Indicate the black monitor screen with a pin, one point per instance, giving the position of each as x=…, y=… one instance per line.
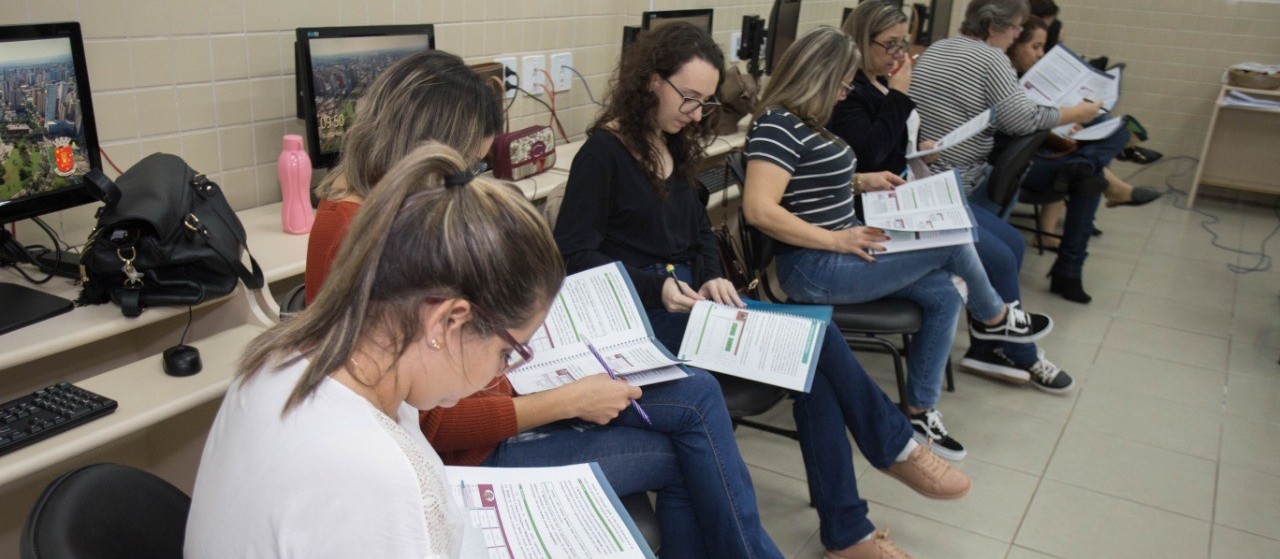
x=47, y=135
x=784, y=21
x=335, y=65
x=654, y=20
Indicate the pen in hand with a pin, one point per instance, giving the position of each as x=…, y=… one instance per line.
x=609, y=370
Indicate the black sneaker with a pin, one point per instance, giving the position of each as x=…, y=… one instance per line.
x=1049, y=378
x=1019, y=326
x=931, y=434
x=993, y=364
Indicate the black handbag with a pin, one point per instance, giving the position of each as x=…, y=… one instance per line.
x=170, y=239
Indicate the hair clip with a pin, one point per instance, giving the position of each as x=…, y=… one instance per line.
x=460, y=178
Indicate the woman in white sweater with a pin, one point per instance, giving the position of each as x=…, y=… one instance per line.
x=316, y=451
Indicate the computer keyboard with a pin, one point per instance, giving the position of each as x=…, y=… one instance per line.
x=715, y=179
x=47, y=412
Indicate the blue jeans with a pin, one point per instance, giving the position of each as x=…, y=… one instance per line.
x=842, y=397
x=922, y=276
x=1077, y=225
x=706, y=503
x=1000, y=248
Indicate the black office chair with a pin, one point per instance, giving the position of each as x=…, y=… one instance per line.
x=864, y=326
x=107, y=511
x=1009, y=166
x=293, y=302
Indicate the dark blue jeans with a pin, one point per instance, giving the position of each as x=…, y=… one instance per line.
x=1000, y=248
x=706, y=504
x=1077, y=226
x=842, y=397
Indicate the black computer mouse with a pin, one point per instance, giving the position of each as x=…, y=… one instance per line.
x=182, y=361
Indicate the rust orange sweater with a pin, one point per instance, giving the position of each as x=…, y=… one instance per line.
x=465, y=434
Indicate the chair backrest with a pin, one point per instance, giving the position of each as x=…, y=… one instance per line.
x=757, y=248
x=107, y=511
x=1010, y=165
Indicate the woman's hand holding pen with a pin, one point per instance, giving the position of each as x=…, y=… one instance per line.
x=598, y=398
x=721, y=291
x=860, y=240
x=677, y=296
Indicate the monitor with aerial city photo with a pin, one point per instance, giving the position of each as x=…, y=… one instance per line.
x=335, y=65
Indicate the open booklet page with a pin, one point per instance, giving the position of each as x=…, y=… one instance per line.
x=773, y=344
x=943, y=191
x=975, y=126
x=566, y=512
x=601, y=306
x=929, y=204
x=1092, y=133
x=1062, y=79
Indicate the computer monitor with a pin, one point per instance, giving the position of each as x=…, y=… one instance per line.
x=48, y=143
x=784, y=22
x=335, y=65
x=48, y=140
x=699, y=18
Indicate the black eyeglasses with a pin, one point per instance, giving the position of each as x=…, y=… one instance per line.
x=893, y=47
x=690, y=104
x=521, y=354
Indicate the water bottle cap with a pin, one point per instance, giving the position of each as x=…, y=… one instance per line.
x=292, y=142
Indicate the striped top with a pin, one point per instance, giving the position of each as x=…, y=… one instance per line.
x=954, y=81
x=821, y=169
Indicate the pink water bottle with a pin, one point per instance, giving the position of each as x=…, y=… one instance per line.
x=294, y=168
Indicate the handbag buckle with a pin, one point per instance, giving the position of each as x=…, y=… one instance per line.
x=191, y=222
x=132, y=277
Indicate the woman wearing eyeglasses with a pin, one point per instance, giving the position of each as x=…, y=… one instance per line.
x=315, y=451
x=880, y=123
x=687, y=456
x=631, y=198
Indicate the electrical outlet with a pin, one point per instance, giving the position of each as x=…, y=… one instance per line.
x=735, y=43
x=512, y=74
x=531, y=79
x=562, y=77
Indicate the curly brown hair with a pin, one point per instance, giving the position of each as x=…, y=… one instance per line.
x=632, y=107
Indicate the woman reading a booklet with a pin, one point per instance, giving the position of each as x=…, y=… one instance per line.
x=876, y=120
x=798, y=192
x=960, y=77
x=1024, y=53
x=706, y=504
x=316, y=451
x=630, y=198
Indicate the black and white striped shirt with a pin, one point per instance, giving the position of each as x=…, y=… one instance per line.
x=957, y=79
x=821, y=169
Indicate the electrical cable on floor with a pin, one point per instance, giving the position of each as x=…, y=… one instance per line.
x=1263, y=259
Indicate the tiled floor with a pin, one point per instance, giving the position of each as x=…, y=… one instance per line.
x=1169, y=447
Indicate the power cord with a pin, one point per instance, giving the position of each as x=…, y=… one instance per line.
x=585, y=85
x=550, y=88
x=1264, y=260
x=13, y=253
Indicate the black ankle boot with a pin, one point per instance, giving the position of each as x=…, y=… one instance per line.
x=1071, y=289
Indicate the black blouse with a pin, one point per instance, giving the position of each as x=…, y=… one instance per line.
x=611, y=213
x=874, y=124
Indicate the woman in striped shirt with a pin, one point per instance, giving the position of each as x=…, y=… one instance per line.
x=876, y=121
x=798, y=192
x=959, y=78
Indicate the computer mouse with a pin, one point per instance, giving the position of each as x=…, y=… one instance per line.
x=182, y=361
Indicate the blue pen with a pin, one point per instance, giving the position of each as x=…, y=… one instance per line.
x=614, y=376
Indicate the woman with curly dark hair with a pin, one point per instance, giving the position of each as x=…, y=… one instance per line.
x=630, y=197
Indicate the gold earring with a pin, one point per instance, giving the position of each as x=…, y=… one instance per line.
x=434, y=343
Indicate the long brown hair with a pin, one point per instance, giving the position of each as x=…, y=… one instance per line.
x=425, y=231
x=632, y=107
x=431, y=95
x=807, y=82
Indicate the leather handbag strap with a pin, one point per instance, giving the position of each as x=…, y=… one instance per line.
x=207, y=189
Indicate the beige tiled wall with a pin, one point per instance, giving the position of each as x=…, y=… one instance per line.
x=1176, y=51
x=212, y=80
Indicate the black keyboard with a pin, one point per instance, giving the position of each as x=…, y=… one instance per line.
x=715, y=179
x=47, y=412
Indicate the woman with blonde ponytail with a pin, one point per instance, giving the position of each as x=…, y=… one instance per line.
x=316, y=450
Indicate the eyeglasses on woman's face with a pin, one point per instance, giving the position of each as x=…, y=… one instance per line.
x=893, y=46
x=689, y=104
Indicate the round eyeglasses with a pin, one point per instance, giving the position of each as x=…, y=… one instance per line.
x=690, y=104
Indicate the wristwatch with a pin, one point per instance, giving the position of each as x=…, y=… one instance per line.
x=857, y=184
